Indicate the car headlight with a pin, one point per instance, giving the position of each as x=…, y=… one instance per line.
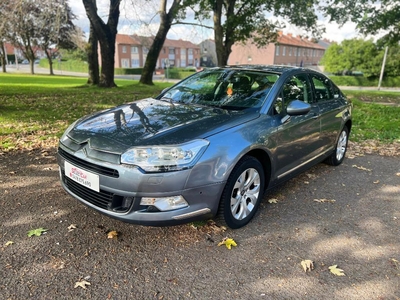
x=165, y=158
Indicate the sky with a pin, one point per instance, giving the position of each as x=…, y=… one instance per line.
x=195, y=34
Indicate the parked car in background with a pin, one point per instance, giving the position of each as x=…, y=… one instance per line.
x=208, y=146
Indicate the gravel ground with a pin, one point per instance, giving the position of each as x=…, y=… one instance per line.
x=347, y=216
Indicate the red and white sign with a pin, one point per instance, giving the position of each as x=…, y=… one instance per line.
x=82, y=177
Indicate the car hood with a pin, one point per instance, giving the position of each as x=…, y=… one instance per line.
x=153, y=122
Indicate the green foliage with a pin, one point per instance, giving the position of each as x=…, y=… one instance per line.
x=128, y=71
x=361, y=55
x=371, y=16
x=36, y=232
x=76, y=54
x=243, y=21
x=366, y=82
x=375, y=120
x=178, y=73
x=69, y=65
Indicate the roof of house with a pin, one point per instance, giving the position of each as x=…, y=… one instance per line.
x=298, y=41
x=126, y=39
x=148, y=40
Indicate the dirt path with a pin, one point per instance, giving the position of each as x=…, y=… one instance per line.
x=354, y=224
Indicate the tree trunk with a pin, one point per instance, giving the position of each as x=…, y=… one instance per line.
x=219, y=33
x=106, y=34
x=49, y=58
x=107, y=49
x=154, y=52
x=155, y=49
x=3, y=57
x=222, y=48
x=93, y=59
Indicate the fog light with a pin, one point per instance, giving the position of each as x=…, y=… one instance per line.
x=127, y=202
x=165, y=203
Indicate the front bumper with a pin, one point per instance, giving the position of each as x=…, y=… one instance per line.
x=131, y=185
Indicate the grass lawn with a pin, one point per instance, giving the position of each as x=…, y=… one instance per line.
x=376, y=116
x=36, y=109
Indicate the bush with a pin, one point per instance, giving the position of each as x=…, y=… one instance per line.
x=179, y=73
x=69, y=65
x=128, y=71
x=364, y=81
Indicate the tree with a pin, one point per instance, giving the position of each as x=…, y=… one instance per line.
x=371, y=16
x=166, y=19
x=54, y=27
x=106, y=35
x=34, y=25
x=4, y=13
x=22, y=28
x=355, y=55
x=243, y=20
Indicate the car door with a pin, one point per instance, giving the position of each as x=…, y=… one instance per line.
x=296, y=137
x=330, y=106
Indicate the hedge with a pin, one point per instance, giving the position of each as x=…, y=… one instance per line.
x=364, y=81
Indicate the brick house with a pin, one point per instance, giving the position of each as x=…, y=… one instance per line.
x=131, y=52
x=288, y=50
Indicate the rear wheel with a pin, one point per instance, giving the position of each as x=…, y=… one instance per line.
x=243, y=193
x=338, y=155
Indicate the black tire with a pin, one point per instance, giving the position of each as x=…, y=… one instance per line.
x=339, y=153
x=243, y=193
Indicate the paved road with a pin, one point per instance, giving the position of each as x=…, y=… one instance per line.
x=355, y=224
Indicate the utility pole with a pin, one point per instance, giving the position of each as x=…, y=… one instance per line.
x=383, y=68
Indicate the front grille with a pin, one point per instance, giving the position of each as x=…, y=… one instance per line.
x=87, y=165
x=103, y=199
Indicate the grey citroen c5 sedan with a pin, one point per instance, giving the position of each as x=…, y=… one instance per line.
x=208, y=146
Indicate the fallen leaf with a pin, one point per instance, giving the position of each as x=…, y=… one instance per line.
x=36, y=232
x=361, y=168
x=9, y=243
x=336, y=271
x=228, y=243
x=112, y=234
x=82, y=284
x=273, y=200
x=71, y=227
x=323, y=200
x=376, y=181
x=307, y=265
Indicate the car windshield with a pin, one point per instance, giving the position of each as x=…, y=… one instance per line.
x=228, y=88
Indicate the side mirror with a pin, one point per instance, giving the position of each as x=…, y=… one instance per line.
x=297, y=107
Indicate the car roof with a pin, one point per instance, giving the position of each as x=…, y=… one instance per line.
x=278, y=69
x=273, y=68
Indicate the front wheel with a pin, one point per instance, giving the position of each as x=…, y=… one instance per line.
x=243, y=193
x=337, y=156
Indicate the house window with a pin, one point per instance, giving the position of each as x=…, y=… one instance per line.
x=125, y=63
x=277, y=51
x=134, y=50
x=171, y=51
x=284, y=51
x=135, y=63
x=190, y=51
x=145, y=50
x=290, y=51
x=298, y=52
x=123, y=49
